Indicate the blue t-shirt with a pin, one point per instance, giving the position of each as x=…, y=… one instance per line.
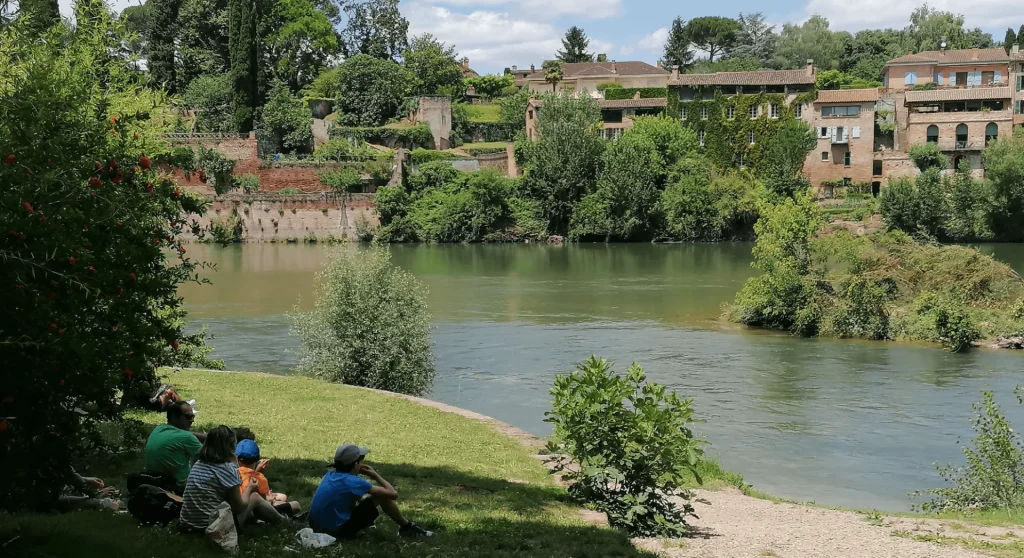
x=335, y=498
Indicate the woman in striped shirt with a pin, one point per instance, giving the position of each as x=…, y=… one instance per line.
x=215, y=479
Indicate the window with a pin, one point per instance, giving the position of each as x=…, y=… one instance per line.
x=852, y=110
x=823, y=132
x=1020, y=107
x=799, y=110
x=876, y=168
x=750, y=138
x=682, y=113
x=932, y=134
x=961, y=136
x=991, y=132
x=973, y=79
x=1020, y=83
x=730, y=113
x=824, y=155
x=846, y=159
x=910, y=78
x=961, y=79
x=753, y=111
x=703, y=113
x=700, y=136
x=937, y=79
x=958, y=161
x=774, y=110
x=988, y=78
x=743, y=160
x=997, y=77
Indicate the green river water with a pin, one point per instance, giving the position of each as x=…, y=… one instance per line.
x=846, y=423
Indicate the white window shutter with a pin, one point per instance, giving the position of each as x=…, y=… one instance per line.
x=998, y=77
x=832, y=132
x=856, y=131
x=952, y=78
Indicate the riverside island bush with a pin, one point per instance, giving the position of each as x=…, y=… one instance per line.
x=625, y=446
x=993, y=476
x=370, y=326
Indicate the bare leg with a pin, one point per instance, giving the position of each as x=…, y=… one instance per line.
x=259, y=508
x=390, y=508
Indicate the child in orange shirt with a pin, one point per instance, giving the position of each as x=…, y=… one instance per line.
x=250, y=466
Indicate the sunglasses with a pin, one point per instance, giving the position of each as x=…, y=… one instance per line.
x=191, y=418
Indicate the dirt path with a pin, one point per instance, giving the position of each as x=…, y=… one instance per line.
x=732, y=525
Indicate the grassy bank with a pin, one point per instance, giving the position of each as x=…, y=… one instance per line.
x=480, y=490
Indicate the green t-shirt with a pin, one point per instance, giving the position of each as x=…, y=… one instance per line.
x=169, y=451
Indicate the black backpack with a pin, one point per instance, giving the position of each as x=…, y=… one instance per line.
x=152, y=504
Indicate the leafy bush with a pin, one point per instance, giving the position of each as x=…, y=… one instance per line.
x=948, y=319
x=227, y=230
x=463, y=210
x=928, y=156
x=422, y=156
x=247, y=183
x=289, y=191
x=490, y=131
x=699, y=208
x=210, y=97
x=371, y=90
x=628, y=446
x=342, y=181
x=212, y=164
x=343, y=149
x=490, y=86
x=286, y=123
x=90, y=301
x=993, y=478
x=393, y=137
x=370, y=326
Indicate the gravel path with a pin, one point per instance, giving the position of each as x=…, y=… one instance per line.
x=736, y=526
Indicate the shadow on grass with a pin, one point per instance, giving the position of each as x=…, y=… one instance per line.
x=471, y=515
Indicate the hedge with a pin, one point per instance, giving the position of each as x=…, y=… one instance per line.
x=423, y=156
x=478, y=132
x=629, y=92
x=483, y=150
x=411, y=137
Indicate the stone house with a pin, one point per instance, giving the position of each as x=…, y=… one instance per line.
x=584, y=77
x=616, y=115
x=788, y=82
x=844, y=123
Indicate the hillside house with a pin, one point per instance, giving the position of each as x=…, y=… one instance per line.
x=616, y=115
x=584, y=77
x=844, y=123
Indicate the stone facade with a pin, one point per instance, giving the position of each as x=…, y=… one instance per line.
x=436, y=112
x=583, y=78
x=273, y=218
x=846, y=142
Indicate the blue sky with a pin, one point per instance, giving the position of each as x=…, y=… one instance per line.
x=495, y=34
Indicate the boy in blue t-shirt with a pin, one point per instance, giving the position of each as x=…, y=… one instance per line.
x=345, y=503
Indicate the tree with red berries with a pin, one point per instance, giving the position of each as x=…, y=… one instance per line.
x=90, y=257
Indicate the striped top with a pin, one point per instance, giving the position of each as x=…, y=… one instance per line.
x=207, y=486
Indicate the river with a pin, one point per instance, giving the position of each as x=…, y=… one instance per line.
x=849, y=423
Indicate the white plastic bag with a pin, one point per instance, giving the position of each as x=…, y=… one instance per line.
x=309, y=539
x=221, y=529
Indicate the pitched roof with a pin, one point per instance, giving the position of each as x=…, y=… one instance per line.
x=959, y=94
x=618, y=103
x=847, y=96
x=592, y=69
x=963, y=56
x=763, y=77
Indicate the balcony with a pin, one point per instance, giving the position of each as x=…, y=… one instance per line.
x=841, y=140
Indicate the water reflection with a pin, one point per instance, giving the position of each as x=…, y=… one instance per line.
x=851, y=423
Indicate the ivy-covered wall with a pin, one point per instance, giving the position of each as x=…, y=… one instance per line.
x=725, y=138
x=616, y=94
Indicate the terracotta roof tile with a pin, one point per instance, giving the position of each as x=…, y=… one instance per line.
x=618, y=103
x=965, y=94
x=847, y=96
x=963, y=56
x=763, y=77
x=585, y=69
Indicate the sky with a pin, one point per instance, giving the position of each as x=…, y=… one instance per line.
x=495, y=34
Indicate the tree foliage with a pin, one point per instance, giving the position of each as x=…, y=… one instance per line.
x=677, y=47
x=812, y=40
x=574, y=47
x=375, y=28
x=211, y=97
x=713, y=34
x=371, y=91
x=553, y=73
x=787, y=150
x=243, y=44
x=285, y=121
x=433, y=67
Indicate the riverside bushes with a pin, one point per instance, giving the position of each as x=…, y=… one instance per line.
x=626, y=447
x=370, y=326
x=882, y=286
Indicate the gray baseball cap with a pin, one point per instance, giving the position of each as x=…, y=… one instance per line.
x=348, y=454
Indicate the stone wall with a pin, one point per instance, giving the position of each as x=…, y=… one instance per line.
x=238, y=149
x=861, y=149
x=277, y=218
x=272, y=179
x=497, y=161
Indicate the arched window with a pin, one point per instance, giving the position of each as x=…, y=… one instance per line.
x=956, y=162
x=991, y=132
x=961, y=136
x=933, y=134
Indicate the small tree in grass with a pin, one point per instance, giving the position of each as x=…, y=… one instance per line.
x=370, y=326
x=627, y=447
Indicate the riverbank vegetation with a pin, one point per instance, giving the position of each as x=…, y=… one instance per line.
x=960, y=207
x=881, y=286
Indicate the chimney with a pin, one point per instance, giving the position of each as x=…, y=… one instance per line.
x=675, y=72
x=974, y=54
x=636, y=96
x=613, y=67
x=810, y=66
x=514, y=67
x=533, y=67
x=659, y=64
x=465, y=62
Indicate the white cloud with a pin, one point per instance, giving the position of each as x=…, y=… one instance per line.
x=593, y=9
x=871, y=14
x=492, y=40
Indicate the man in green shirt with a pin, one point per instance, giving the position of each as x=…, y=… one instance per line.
x=171, y=447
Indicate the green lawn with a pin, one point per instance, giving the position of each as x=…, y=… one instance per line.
x=485, y=145
x=484, y=113
x=480, y=491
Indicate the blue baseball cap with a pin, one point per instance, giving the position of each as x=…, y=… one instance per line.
x=247, y=450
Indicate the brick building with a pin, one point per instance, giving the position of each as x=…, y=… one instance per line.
x=616, y=115
x=844, y=122
x=584, y=77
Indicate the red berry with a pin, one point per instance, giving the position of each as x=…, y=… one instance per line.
x=119, y=223
x=121, y=291
x=127, y=372
x=144, y=162
x=71, y=261
x=116, y=179
x=27, y=206
x=177, y=193
x=99, y=165
x=95, y=182
x=10, y=159
x=60, y=332
x=149, y=187
x=113, y=165
x=53, y=327
x=181, y=250
x=174, y=345
x=92, y=269
x=42, y=218
x=3, y=425
x=132, y=276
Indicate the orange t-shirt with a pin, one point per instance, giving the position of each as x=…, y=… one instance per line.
x=263, y=487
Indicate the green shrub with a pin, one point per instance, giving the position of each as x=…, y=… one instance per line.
x=227, y=230
x=343, y=149
x=212, y=164
x=949, y=319
x=422, y=156
x=286, y=123
x=247, y=183
x=927, y=156
x=370, y=326
x=991, y=479
x=210, y=96
x=289, y=191
x=490, y=131
x=393, y=137
x=628, y=447
x=342, y=181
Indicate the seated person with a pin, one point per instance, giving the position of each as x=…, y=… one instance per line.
x=171, y=447
x=250, y=466
x=215, y=479
x=345, y=504
x=74, y=497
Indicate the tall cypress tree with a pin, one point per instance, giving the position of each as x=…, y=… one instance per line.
x=575, y=46
x=677, y=48
x=243, y=46
x=1009, y=40
x=160, y=55
x=1020, y=37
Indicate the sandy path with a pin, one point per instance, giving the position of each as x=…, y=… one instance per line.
x=738, y=526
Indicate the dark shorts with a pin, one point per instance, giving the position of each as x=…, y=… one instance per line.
x=363, y=516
